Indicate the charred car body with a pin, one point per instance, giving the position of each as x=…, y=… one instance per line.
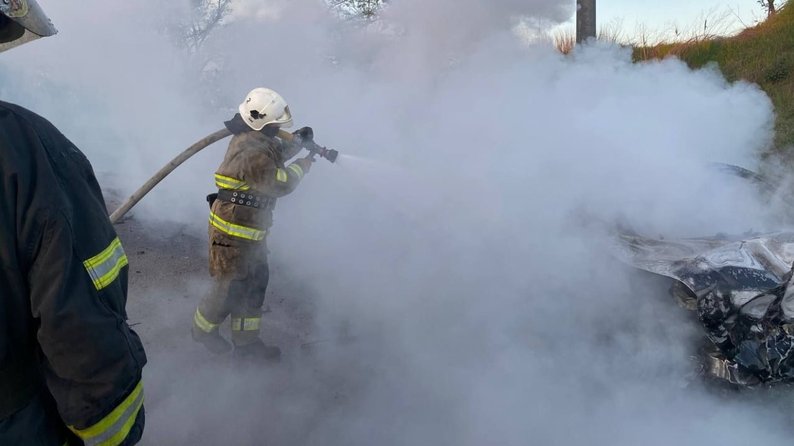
x=742, y=291
x=740, y=288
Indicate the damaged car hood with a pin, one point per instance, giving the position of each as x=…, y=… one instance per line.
x=742, y=290
x=746, y=262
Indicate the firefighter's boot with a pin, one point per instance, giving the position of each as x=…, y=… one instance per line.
x=257, y=351
x=207, y=333
x=213, y=340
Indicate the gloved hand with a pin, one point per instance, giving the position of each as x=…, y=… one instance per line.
x=305, y=163
x=304, y=133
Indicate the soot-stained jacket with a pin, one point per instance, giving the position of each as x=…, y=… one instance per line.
x=254, y=164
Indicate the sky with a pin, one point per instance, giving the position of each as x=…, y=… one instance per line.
x=660, y=19
x=462, y=239
x=732, y=15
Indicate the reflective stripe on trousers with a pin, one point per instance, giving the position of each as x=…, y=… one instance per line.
x=246, y=323
x=201, y=322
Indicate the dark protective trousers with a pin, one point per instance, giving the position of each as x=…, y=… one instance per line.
x=240, y=278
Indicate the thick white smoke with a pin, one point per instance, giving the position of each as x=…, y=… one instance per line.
x=460, y=241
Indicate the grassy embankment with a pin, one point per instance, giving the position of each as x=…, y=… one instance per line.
x=763, y=54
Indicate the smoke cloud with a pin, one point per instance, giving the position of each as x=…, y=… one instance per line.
x=456, y=259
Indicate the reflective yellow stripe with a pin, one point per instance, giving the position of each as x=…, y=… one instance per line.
x=246, y=324
x=104, y=267
x=224, y=182
x=236, y=230
x=297, y=169
x=202, y=322
x=114, y=428
x=281, y=175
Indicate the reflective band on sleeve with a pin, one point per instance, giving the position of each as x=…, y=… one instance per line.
x=202, y=322
x=246, y=324
x=104, y=267
x=297, y=169
x=236, y=230
x=114, y=428
x=281, y=175
x=224, y=182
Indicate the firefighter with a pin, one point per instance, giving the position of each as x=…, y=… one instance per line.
x=70, y=366
x=251, y=177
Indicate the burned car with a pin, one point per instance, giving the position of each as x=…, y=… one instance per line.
x=740, y=288
x=742, y=292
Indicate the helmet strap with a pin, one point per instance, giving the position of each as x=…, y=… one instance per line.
x=270, y=130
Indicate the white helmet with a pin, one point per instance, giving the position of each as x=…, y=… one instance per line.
x=22, y=21
x=264, y=106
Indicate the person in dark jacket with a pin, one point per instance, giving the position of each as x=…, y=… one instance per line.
x=70, y=366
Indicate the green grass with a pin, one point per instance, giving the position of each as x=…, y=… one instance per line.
x=763, y=54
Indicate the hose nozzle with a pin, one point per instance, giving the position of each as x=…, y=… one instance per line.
x=316, y=149
x=307, y=142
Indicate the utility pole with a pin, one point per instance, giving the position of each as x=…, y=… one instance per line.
x=585, y=20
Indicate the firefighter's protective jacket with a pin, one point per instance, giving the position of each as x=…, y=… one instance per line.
x=63, y=286
x=254, y=164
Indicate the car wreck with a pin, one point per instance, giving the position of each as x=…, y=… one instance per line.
x=739, y=287
x=742, y=292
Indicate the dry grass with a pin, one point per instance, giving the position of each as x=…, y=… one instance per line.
x=762, y=54
x=673, y=42
x=564, y=40
x=710, y=24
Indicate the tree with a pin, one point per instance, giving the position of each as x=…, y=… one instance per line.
x=769, y=5
x=358, y=9
x=207, y=15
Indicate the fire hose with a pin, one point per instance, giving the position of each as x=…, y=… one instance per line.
x=307, y=144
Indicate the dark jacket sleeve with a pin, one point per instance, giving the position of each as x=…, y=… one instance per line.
x=92, y=361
